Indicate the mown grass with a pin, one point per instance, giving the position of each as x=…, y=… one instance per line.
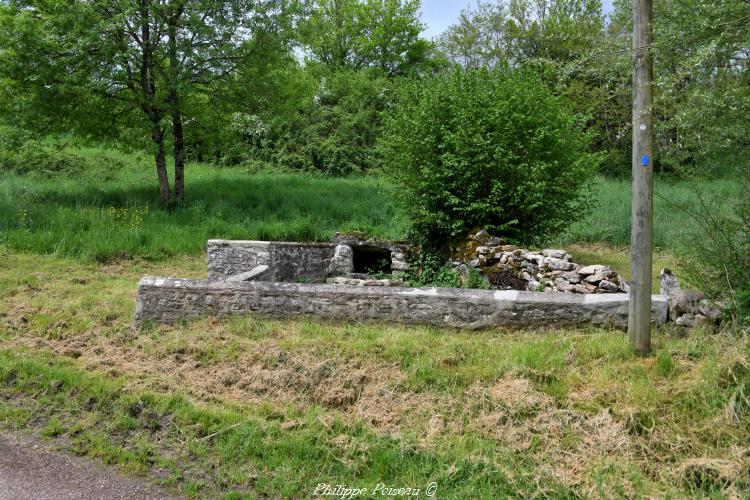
x=108, y=208
x=229, y=450
x=249, y=407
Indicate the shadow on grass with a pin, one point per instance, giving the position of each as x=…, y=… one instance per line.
x=126, y=218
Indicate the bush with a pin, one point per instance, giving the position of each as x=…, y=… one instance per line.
x=486, y=149
x=22, y=153
x=718, y=261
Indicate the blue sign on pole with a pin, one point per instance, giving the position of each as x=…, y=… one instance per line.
x=645, y=160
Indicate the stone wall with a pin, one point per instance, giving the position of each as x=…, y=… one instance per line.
x=287, y=262
x=169, y=299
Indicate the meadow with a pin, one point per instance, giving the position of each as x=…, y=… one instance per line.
x=109, y=209
x=245, y=408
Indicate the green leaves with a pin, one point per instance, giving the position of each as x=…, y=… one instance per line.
x=360, y=34
x=486, y=149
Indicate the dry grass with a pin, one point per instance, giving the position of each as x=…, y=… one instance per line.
x=576, y=406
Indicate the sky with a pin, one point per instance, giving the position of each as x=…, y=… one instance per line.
x=439, y=14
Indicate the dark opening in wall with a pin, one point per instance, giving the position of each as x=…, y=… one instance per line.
x=371, y=260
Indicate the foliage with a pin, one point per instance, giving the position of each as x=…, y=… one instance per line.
x=702, y=62
x=566, y=42
x=718, y=259
x=486, y=149
x=513, y=33
x=336, y=130
x=143, y=58
x=22, y=154
x=361, y=34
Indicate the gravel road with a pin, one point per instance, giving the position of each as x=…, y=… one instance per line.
x=30, y=469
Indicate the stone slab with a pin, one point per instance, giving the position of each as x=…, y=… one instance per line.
x=287, y=261
x=170, y=299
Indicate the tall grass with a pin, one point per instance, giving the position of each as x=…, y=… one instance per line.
x=108, y=207
x=608, y=220
x=112, y=209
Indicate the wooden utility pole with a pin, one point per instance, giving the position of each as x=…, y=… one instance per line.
x=639, y=320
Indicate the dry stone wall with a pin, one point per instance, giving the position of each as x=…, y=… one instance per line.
x=169, y=299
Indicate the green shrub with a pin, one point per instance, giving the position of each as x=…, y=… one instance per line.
x=22, y=153
x=486, y=149
x=718, y=260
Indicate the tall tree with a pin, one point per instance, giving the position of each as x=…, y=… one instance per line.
x=479, y=37
x=359, y=34
x=144, y=55
x=564, y=41
x=702, y=100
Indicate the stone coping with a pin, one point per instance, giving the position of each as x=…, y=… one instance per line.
x=171, y=299
x=267, y=244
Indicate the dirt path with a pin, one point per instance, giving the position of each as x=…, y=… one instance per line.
x=31, y=470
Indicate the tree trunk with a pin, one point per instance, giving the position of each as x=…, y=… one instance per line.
x=157, y=135
x=179, y=152
x=174, y=97
x=149, y=103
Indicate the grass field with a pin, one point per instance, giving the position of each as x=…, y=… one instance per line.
x=247, y=408
x=251, y=408
x=110, y=210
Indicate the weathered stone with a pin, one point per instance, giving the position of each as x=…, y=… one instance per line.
x=685, y=302
x=169, y=299
x=484, y=238
x=572, y=277
x=256, y=274
x=558, y=264
x=474, y=263
x=304, y=262
x=608, y=286
x=342, y=262
x=399, y=265
x=668, y=282
x=593, y=279
x=398, y=250
x=560, y=283
x=685, y=320
x=555, y=254
x=361, y=282
x=480, y=235
x=594, y=269
x=463, y=272
x=710, y=310
x=287, y=262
